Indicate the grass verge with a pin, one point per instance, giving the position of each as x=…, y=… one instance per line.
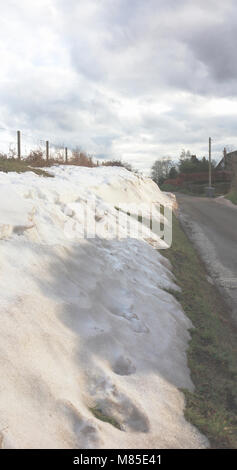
x=20, y=166
x=232, y=196
x=172, y=188
x=212, y=353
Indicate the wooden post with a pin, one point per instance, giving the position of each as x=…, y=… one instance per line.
x=47, y=149
x=225, y=159
x=19, y=144
x=209, y=162
x=66, y=154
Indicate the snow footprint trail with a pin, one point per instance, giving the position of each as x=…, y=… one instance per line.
x=116, y=361
x=114, y=403
x=92, y=348
x=123, y=366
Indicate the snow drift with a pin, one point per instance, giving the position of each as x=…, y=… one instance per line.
x=92, y=347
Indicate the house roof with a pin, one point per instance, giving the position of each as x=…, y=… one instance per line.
x=226, y=161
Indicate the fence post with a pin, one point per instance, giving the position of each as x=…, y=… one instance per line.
x=66, y=154
x=47, y=149
x=225, y=158
x=19, y=145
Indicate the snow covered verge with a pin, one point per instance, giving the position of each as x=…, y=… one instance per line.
x=87, y=327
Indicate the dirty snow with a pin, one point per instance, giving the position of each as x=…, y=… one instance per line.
x=87, y=323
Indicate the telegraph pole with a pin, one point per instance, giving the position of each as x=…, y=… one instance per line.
x=209, y=162
x=19, y=145
x=225, y=158
x=47, y=149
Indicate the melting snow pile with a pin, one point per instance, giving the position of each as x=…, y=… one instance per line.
x=92, y=346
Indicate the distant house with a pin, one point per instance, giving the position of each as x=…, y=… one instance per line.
x=229, y=163
x=226, y=162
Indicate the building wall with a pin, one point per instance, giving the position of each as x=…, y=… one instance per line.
x=234, y=173
x=232, y=162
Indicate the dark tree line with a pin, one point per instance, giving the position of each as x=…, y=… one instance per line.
x=166, y=168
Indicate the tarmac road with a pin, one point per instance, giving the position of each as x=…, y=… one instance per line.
x=212, y=225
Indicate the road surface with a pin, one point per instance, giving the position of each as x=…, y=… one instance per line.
x=212, y=225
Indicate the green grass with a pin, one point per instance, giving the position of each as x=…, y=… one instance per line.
x=99, y=414
x=180, y=189
x=198, y=190
x=20, y=166
x=170, y=188
x=232, y=196
x=212, y=353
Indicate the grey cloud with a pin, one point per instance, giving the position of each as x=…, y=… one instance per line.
x=216, y=48
x=101, y=73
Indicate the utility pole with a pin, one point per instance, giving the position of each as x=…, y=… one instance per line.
x=209, y=162
x=19, y=145
x=47, y=149
x=225, y=159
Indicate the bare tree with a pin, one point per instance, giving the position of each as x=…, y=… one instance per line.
x=160, y=169
x=12, y=151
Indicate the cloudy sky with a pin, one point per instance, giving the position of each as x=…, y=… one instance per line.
x=130, y=79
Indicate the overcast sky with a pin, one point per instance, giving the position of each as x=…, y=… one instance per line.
x=130, y=79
